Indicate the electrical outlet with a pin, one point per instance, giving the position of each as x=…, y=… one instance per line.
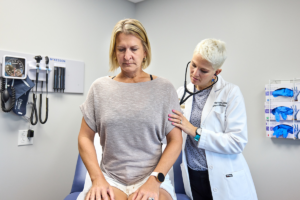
x=23, y=139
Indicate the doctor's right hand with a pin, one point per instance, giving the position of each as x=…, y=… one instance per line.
x=179, y=120
x=100, y=190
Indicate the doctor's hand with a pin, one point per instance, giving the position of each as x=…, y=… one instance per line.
x=181, y=122
x=100, y=190
x=150, y=189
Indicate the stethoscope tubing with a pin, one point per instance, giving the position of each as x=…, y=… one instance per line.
x=47, y=104
x=182, y=100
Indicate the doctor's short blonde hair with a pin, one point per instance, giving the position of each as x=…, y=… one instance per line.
x=212, y=50
x=134, y=27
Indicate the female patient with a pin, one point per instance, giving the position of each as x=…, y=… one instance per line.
x=129, y=112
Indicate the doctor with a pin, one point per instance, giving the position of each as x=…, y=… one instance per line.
x=214, y=127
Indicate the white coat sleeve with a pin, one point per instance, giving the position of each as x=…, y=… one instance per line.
x=235, y=137
x=180, y=91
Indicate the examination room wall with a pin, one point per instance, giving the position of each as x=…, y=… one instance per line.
x=70, y=29
x=263, y=43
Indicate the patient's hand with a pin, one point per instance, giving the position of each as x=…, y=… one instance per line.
x=100, y=190
x=150, y=189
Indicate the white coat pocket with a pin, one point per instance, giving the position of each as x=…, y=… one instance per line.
x=218, y=119
x=219, y=109
x=237, y=185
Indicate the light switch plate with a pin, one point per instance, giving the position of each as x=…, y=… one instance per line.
x=23, y=139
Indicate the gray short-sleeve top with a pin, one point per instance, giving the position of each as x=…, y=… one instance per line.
x=132, y=121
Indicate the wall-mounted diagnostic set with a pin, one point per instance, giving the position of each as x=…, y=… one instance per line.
x=22, y=73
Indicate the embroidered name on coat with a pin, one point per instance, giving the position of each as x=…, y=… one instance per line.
x=223, y=104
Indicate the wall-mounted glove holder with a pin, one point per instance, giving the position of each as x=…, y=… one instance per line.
x=282, y=88
x=282, y=109
x=290, y=110
x=285, y=130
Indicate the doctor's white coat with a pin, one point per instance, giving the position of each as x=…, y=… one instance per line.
x=223, y=137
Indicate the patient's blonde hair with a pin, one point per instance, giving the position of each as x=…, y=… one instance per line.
x=134, y=27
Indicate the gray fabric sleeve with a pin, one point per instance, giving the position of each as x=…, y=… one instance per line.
x=88, y=110
x=173, y=105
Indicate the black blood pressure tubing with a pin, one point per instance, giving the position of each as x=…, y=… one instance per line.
x=40, y=109
x=5, y=95
x=34, y=110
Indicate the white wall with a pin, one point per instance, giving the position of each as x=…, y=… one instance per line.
x=71, y=29
x=263, y=43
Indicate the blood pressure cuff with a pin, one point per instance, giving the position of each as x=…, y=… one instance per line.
x=20, y=105
x=283, y=111
x=283, y=92
x=21, y=86
x=22, y=90
x=283, y=130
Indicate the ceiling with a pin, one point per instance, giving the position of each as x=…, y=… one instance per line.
x=135, y=1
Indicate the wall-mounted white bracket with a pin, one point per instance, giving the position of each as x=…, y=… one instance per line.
x=74, y=71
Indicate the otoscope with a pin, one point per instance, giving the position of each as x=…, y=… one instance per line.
x=40, y=109
x=38, y=59
x=34, y=110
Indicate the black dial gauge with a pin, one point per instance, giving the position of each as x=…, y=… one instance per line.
x=14, y=67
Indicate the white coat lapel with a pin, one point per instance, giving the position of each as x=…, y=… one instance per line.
x=211, y=99
x=208, y=105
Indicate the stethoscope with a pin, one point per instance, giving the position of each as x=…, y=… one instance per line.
x=182, y=100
